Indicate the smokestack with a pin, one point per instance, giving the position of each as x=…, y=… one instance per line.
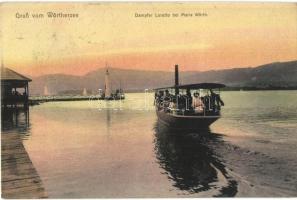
x=176, y=75
x=176, y=80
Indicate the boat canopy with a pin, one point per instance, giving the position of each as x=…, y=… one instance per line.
x=196, y=86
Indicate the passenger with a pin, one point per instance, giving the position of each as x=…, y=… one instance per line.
x=160, y=98
x=172, y=106
x=167, y=98
x=156, y=98
x=198, y=104
x=189, y=100
x=206, y=101
x=161, y=94
x=180, y=101
x=215, y=99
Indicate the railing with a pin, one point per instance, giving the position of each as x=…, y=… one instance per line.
x=14, y=99
x=209, y=108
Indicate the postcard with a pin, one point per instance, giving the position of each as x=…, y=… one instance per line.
x=148, y=99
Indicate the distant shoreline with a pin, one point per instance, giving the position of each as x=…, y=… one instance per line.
x=231, y=89
x=36, y=100
x=257, y=89
x=81, y=97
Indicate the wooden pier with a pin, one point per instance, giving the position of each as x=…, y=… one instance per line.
x=19, y=177
x=42, y=99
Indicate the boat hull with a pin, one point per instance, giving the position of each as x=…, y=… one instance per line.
x=111, y=98
x=186, y=122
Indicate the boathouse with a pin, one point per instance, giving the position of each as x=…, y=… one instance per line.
x=14, y=88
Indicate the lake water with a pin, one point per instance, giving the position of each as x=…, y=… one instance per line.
x=118, y=149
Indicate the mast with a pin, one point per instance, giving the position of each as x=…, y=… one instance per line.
x=120, y=86
x=107, y=85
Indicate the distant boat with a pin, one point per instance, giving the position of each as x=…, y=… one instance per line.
x=45, y=91
x=107, y=94
x=85, y=93
x=192, y=106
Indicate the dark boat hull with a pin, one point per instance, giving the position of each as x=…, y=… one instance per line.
x=186, y=122
x=111, y=98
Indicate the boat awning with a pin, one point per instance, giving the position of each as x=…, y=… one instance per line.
x=196, y=86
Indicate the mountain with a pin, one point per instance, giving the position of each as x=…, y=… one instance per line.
x=279, y=74
x=273, y=75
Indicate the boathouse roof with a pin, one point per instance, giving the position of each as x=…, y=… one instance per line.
x=10, y=75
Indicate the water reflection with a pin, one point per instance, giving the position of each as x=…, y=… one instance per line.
x=190, y=163
x=15, y=119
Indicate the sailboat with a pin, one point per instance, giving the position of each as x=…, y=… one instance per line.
x=45, y=91
x=85, y=92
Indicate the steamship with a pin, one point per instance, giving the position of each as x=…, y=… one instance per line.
x=191, y=106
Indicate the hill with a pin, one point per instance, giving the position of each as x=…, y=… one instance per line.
x=279, y=75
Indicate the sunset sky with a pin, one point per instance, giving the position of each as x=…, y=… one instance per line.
x=231, y=35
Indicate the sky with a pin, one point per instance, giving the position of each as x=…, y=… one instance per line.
x=229, y=35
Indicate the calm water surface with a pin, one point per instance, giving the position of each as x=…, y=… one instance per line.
x=118, y=149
